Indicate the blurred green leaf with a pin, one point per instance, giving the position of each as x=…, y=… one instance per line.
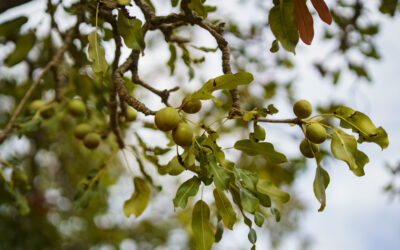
x=12, y=27
x=224, y=209
x=131, y=31
x=267, y=188
x=265, y=149
x=320, y=184
x=248, y=200
x=23, y=45
x=138, y=202
x=97, y=54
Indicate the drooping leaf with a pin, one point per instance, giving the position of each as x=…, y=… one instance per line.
x=202, y=232
x=247, y=179
x=220, y=176
x=284, y=25
x=305, y=22
x=97, y=54
x=276, y=213
x=362, y=124
x=267, y=188
x=248, y=200
x=259, y=219
x=219, y=232
x=259, y=133
x=12, y=27
x=187, y=189
x=87, y=189
x=320, y=184
x=274, y=46
x=131, y=31
x=173, y=167
x=227, y=82
x=323, y=10
x=252, y=236
x=265, y=149
x=224, y=209
x=139, y=200
x=174, y=3
x=344, y=147
x=388, y=7
x=23, y=45
x=172, y=58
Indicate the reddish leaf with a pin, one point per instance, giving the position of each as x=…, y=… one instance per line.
x=323, y=10
x=305, y=23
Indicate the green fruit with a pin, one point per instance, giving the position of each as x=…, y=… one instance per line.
x=302, y=109
x=92, y=140
x=316, y=133
x=76, y=107
x=81, y=130
x=183, y=134
x=166, y=119
x=131, y=114
x=47, y=113
x=305, y=148
x=190, y=105
x=35, y=105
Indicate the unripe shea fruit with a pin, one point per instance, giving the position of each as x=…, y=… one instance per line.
x=131, y=114
x=302, y=109
x=81, y=130
x=91, y=140
x=191, y=105
x=35, y=105
x=316, y=133
x=183, y=134
x=166, y=119
x=306, y=150
x=76, y=107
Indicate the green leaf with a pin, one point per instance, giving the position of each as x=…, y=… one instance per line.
x=220, y=176
x=246, y=178
x=259, y=219
x=265, y=149
x=388, y=7
x=12, y=27
x=202, y=232
x=172, y=58
x=173, y=167
x=97, y=54
x=248, y=200
x=276, y=213
x=284, y=25
x=362, y=124
x=274, y=46
x=320, y=184
x=224, y=209
x=87, y=189
x=139, y=200
x=227, y=82
x=131, y=31
x=174, y=3
x=198, y=7
x=23, y=45
x=259, y=133
x=187, y=189
x=267, y=188
x=344, y=147
x=252, y=236
x=219, y=232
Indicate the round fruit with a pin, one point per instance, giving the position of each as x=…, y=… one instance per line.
x=166, y=119
x=316, y=133
x=76, y=107
x=35, y=105
x=190, y=105
x=81, y=130
x=131, y=114
x=92, y=140
x=124, y=2
x=305, y=148
x=302, y=109
x=183, y=134
x=47, y=113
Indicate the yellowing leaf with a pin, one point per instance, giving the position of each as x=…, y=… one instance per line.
x=139, y=200
x=227, y=82
x=344, y=147
x=224, y=209
x=320, y=184
x=267, y=188
x=131, y=31
x=97, y=54
x=187, y=189
x=202, y=232
x=362, y=124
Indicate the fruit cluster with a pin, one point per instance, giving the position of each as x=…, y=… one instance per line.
x=168, y=119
